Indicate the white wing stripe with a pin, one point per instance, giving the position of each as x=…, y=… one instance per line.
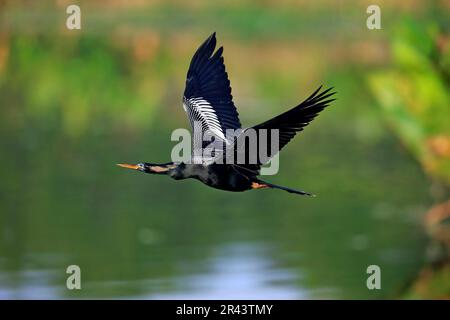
x=201, y=109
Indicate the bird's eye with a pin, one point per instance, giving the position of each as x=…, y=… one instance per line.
x=141, y=166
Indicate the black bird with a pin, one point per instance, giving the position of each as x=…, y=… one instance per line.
x=208, y=100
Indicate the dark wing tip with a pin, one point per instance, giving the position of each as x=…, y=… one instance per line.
x=212, y=37
x=202, y=55
x=318, y=96
x=210, y=41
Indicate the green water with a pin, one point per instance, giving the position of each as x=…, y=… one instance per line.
x=64, y=202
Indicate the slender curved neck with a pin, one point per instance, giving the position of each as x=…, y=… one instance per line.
x=163, y=168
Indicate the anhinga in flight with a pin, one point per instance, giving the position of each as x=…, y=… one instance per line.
x=208, y=101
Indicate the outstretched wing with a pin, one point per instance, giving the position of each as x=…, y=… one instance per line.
x=207, y=98
x=287, y=124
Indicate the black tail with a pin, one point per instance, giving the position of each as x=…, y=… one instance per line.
x=274, y=186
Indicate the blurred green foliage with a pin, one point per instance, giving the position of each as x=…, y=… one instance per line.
x=83, y=83
x=415, y=93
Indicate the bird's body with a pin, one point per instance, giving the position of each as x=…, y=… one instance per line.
x=208, y=102
x=218, y=176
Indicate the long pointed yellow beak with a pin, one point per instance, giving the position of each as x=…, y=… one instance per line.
x=129, y=166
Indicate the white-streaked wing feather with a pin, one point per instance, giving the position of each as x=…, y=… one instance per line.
x=204, y=112
x=207, y=98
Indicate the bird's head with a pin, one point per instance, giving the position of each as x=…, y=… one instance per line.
x=144, y=167
x=150, y=167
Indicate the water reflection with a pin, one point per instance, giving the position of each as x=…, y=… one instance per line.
x=235, y=271
x=239, y=271
x=29, y=284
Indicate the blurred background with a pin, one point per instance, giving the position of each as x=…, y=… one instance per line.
x=75, y=102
